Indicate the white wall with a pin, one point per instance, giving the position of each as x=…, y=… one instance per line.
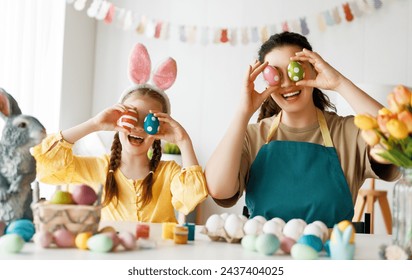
x=371, y=49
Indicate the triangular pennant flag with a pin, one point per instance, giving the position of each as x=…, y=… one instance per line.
x=348, y=12
x=158, y=29
x=182, y=33
x=328, y=18
x=295, y=26
x=191, y=34
x=245, y=36
x=110, y=14
x=264, y=35
x=104, y=9
x=336, y=16
x=128, y=20
x=164, y=31
x=377, y=4
x=233, y=36
x=141, y=26
x=321, y=22
x=285, y=26
x=254, y=34
x=224, y=36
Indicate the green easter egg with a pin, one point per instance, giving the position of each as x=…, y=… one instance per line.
x=295, y=71
x=267, y=243
x=101, y=243
x=303, y=252
x=249, y=242
x=11, y=243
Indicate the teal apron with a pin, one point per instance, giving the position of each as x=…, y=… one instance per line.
x=299, y=180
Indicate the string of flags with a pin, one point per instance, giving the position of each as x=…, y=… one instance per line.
x=126, y=19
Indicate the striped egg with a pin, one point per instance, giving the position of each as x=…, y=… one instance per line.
x=129, y=119
x=151, y=124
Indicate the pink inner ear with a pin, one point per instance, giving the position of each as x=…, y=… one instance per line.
x=4, y=104
x=165, y=75
x=139, y=64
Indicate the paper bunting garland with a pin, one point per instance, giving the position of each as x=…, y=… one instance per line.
x=103, y=10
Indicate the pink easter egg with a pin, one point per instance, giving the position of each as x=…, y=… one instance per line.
x=64, y=238
x=271, y=75
x=128, y=240
x=286, y=244
x=43, y=238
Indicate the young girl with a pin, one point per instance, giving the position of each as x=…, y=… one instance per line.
x=136, y=188
x=299, y=160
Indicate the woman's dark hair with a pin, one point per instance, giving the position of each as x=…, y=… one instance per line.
x=111, y=189
x=269, y=106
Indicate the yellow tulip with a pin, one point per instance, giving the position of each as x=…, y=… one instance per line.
x=397, y=129
x=365, y=122
x=402, y=95
x=406, y=117
x=384, y=111
x=370, y=137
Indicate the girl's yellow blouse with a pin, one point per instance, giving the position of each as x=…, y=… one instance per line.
x=173, y=188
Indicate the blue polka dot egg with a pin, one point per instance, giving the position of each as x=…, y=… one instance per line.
x=151, y=124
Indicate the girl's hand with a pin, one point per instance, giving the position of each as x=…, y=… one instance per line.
x=251, y=99
x=107, y=119
x=327, y=77
x=170, y=130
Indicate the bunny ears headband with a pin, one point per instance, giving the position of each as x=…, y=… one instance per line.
x=139, y=70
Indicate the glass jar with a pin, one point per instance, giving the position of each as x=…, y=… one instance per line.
x=402, y=211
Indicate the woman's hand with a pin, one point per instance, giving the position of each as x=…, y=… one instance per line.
x=326, y=77
x=170, y=130
x=251, y=99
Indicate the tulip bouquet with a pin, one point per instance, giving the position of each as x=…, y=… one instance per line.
x=390, y=132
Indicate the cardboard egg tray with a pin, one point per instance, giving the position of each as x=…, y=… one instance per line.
x=220, y=236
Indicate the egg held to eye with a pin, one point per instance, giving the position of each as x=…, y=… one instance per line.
x=128, y=120
x=295, y=71
x=271, y=75
x=151, y=124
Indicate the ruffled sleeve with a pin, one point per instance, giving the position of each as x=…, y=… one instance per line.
x=188, y=189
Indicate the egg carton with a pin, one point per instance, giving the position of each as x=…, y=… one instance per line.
x=221, y=235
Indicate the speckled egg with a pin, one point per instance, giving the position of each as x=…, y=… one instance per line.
x=311, y=240
x=273, y=227
x=11, y=243
x=286, y=244
x=303, y=252
x=249, y=242
x=252, y=227
x=234, y=226
x=43, y=238
x=23, y=227
x=295, y=71
x=100, y=243
x=294, y=228
x=151, y=124
x=127, y=240
x=64, y=238
x=81, y=239
x=271, y=75
x=267, y=244
x=214, y=223
x=2, y=227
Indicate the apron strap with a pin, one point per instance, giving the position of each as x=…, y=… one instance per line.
x=322, y=124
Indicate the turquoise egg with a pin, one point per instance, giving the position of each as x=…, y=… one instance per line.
x=23, y=227
x=267, y=243
x=151, y=124
x=303, y=252
x=249, y=242
x=100, y=243
x=311, y=240
x=326, y=246
x=295, y=71
x=11, y=243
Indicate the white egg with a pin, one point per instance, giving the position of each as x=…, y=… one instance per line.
x=273, y=227
x=214, y=223
x=234, y=226
x=294, y=228
x=324, y=229
x=252, y=227
x=260, y=219
x=280, y=221
x=313, y=229
x=224, y=215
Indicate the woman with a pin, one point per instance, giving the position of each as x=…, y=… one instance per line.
x=299, y=160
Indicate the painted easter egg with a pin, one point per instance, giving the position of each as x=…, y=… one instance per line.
x=295, y=71
x=11, y=243
x=151, y=124
x=271, y=75
x=303, y=252
x=43, y=238
x=23, y=227
x=64, y=238
x=249, y=242
x=267, y=243
x=100, y=242
x=127, y=240
x=311, y=240
x=129, y=119
x=81, y=239
x=286, y=244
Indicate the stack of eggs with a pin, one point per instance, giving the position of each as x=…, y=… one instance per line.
x=228, y=227
x=296, y=237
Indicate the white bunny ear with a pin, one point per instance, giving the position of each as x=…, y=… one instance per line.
x=165, y=75
x=139, y=64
